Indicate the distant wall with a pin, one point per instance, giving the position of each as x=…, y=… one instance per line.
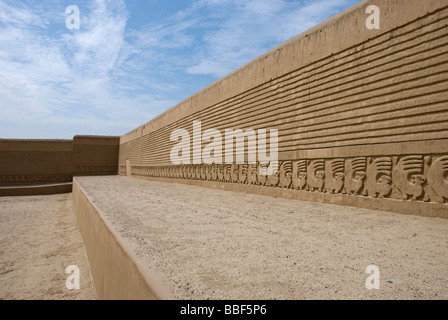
x=29, y=162
x=362, y=114
x=93, y=155
x=36, y=162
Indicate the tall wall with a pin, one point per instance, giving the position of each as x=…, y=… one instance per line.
x=362, y=114
x=36, y=162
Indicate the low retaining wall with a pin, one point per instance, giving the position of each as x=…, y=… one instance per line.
x=38, y=190
x=116, y=270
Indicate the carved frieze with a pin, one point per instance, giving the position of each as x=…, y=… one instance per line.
x=410, y=178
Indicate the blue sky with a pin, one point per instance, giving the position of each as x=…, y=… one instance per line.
x=130, y=60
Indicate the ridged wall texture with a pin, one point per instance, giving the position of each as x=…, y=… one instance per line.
x=360, y=114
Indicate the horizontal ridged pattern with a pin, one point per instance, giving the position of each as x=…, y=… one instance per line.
x=391, y=88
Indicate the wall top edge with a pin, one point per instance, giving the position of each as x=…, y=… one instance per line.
x=37, y=140
x=96, y=140
x=77, y=137
x=95, y=137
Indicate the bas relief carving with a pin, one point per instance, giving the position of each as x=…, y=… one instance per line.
x=409, y=178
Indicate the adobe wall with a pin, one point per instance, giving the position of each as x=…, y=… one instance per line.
x=31, y=162
x=119, y=274
x=95, y=155
x=38, y=162
x=362, y=115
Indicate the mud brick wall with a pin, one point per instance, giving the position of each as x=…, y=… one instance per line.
x=32, y=162
x=362, y=115
x=36, y=162
x=93, y=155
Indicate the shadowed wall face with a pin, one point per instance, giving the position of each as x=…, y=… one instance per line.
x=35, y=162
x=95, y=155
x=32, y=162
x=361, y=115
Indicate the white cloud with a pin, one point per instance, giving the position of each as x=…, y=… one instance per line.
x=209, y=67
x=20, y=16
x=98, y=44
x=58, y=84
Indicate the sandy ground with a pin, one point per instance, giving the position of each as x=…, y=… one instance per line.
x=39, y=239
x=213, y=244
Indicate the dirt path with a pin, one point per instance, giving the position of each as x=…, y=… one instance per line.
x=39, y=239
